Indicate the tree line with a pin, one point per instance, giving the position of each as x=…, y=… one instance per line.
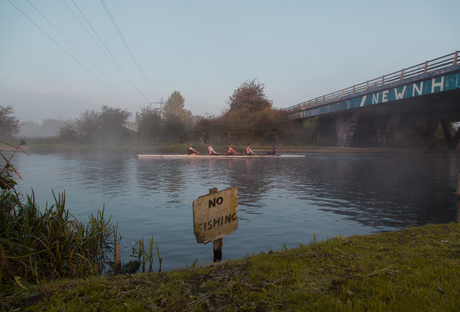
x=249, y=117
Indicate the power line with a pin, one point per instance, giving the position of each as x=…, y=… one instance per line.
x=67, y=52
x=126, y=44
x=112, y=58
x=79, y=50
x=89, y=33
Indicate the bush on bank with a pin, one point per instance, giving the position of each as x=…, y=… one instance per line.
x=414, y=269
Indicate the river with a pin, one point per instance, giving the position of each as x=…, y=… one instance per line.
x=281, y=201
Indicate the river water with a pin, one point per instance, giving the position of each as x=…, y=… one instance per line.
x=281, y=201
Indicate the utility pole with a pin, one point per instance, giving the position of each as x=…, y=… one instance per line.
x=161, y=105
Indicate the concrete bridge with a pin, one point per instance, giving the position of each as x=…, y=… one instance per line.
x=401, y=109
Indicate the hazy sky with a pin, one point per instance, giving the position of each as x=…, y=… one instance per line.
x=206, y=49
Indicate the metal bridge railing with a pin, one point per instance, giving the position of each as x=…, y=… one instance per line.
x=423, y=68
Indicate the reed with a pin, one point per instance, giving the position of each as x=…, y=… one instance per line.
x=160, y=259
x=139, y=251
x=41, y=246
x=36, y=246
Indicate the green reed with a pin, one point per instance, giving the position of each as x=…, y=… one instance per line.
x=139, y=251
x=37, y=245
x=41, y=246
x=160, y=259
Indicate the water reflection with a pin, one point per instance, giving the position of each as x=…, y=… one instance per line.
x=282, y=201
x=101, y=173
x=380, y=191
x=386, y=191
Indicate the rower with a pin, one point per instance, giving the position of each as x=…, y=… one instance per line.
x=211, y=151
x=191, y=150
x=231, y=151
x=248, y=150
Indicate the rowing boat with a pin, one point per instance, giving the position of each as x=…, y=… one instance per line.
x=218, y=156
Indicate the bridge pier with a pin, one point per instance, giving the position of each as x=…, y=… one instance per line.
x=379, y=127
x=381, y=130
x=390, y=129
x=340, y=127
x=346, y=128
x=385, y=131
x=452, y=136
x=431, y=127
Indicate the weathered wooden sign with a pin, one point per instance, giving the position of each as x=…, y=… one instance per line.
x=215, y=215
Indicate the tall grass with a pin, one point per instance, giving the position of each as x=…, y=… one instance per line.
x=143, y=256
x=37, y=246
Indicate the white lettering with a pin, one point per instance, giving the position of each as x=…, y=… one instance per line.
x=384, y=96
x=400, y=95
x=419, y=90
x=375, y=98
x=363, y=100
x=437, y=84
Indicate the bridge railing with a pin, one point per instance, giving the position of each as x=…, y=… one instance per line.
x=419, y=69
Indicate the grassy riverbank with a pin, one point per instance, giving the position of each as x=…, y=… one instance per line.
x=415, y=269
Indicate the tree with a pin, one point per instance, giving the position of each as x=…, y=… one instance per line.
x=175, y=105
x=310, y=128
x=264, y=127
x=104, y=125
x=249, y=98
x=250, y=115
x=211, y=126
x=50, y=127
x=149, y=124
x=174, y=129
x=112, y=121
x=67, y=133
x=9, y=124
x=29, y=129
x=175, y=118
x=88, y=124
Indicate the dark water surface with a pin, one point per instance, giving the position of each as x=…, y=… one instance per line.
x=282, y=201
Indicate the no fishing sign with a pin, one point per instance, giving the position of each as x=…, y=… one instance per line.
x=215, y=215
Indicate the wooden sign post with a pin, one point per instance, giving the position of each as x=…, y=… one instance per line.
x=214, y=217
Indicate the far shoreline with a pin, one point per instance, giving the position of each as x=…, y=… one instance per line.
x=181, y=148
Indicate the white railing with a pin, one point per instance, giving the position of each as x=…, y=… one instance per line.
x=423, y=68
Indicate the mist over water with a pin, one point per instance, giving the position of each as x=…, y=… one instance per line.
x=282, y=201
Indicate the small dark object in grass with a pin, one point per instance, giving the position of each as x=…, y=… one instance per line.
x=131, y=267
